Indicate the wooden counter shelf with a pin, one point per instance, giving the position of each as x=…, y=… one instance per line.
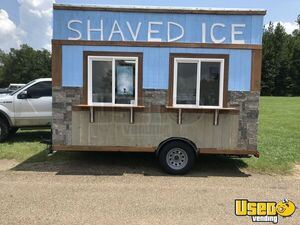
x=203, y=109
x=82, y=106
x=132, y=108
x=108, y=108
x=215, y=110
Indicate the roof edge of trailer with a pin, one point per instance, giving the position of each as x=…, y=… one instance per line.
x=161, y=9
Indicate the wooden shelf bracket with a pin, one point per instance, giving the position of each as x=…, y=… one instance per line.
x=131, y=119
x=179, y=116
x=91, y=114
x=216, y=117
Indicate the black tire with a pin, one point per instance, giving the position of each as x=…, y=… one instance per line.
x=177, y=157
x=4, y=131
x=12, y=131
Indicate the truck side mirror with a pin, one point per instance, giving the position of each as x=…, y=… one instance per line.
x=23, y=95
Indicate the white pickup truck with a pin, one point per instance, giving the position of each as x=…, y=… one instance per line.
x=27, y=107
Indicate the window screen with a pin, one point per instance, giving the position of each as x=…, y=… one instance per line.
x=102, y=81
x=210, y=83
x=186, y=83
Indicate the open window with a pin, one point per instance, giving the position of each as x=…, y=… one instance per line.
x=198, y=82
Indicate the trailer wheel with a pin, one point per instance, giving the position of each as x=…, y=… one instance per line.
x=177, y=157
x=4, y=130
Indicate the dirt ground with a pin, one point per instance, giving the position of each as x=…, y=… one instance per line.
x=101, y=188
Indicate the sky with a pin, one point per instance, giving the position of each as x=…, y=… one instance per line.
x=30, y=21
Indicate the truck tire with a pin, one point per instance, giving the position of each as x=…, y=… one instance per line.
x=12, y=131
x=4, y=130
x=177, y=157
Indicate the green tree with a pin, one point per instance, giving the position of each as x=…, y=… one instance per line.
x=280, y=68
x=298, y=21
x=2, y=55
x=23, y=65
x=268, y=65
x=282, y=59
x=295, y=63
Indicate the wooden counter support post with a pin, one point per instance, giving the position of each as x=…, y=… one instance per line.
x=216, y=117
x=131, y=115
x=179, y=116
x=92, y=114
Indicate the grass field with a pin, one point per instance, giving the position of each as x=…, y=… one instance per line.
x=24, y=145
x=279, y=139
x=278, y=135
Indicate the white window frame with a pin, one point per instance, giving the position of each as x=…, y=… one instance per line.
x=90, y=79
x=198, y=61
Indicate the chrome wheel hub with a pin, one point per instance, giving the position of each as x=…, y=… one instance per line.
x=177, y=158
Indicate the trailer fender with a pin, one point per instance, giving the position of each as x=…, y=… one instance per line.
x=189, y=142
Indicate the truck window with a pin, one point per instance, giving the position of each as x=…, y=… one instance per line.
x=41, y=89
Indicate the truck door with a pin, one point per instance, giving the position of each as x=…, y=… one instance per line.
x=33, y=106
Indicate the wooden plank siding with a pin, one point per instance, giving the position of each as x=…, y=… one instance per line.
x=220, y=151
x=56, y=65
x=154, y=109
x=206, y=151
x=103, y=148
x=160, y=10
x=112, y=128
x=256, y=70
x=155, y=44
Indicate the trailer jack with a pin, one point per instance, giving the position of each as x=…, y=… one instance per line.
x=49, y=148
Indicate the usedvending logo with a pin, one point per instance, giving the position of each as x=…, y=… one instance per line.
x=264, y=211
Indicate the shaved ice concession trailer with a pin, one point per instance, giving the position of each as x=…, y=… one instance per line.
x=177, y=82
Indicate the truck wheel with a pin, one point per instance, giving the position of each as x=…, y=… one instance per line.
x=177, y=157
x=4, y=130
x=13, y=131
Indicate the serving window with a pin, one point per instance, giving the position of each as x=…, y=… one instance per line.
x=113, y=80
x=198, y=82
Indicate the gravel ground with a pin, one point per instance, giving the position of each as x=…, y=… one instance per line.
x=131, y=189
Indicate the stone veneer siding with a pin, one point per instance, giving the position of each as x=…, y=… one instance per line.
x=248, y=103
x=65, y=97
x=154, y=97
x=63, y=100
